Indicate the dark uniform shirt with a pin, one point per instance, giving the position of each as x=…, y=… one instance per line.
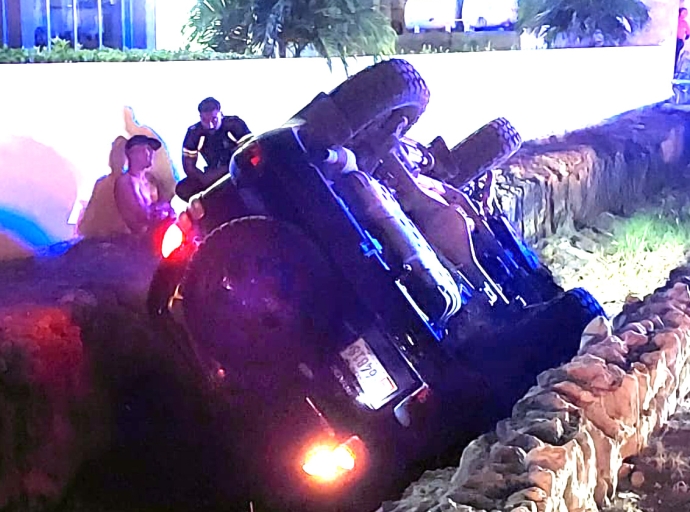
x=216, y=146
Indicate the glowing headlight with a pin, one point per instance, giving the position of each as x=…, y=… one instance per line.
x=328, y=463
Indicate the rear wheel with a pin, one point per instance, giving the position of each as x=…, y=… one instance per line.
x=380, y=100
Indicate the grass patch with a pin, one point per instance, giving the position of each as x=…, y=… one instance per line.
x=645, y=248
x=634, y=260
x=648, y=233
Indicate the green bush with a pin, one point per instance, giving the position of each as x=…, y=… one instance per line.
x=334, y=28
x=578, y=20
x=61, y=51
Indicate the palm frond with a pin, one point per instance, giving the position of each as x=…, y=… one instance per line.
x=335, y=28
x=581, y=18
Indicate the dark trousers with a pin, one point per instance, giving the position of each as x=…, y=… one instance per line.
x=679, y=47
x=187, y=187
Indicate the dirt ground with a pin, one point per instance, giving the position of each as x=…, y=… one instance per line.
x=658, y=479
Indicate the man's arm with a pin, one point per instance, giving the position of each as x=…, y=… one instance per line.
x=161, y=208
x=237, y=127
x=190, y=154
x=133, y=212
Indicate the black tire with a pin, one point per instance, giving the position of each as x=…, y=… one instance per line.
x=373, y=95
x=587, y=302
x=254, y=294
x=484, y=150
x=570, y=312
x=512, y=356
x=545, y=337
x=363, y=111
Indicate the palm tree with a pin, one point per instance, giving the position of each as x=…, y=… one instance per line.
x=580, y=19
x=334, y=28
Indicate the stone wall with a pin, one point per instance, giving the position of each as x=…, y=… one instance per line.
x=53, y=416
x=613, y=167
x=566, y=441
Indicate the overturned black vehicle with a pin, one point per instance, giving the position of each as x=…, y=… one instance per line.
x=358, y=298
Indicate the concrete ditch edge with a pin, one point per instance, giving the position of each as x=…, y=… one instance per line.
x=613, y=168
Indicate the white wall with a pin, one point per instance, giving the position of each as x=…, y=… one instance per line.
x=59, y=120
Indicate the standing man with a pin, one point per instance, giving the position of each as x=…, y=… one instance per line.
x=216, y=137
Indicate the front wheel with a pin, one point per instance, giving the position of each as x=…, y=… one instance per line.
x=379, y=91
x=483, y=151
x=541, y=337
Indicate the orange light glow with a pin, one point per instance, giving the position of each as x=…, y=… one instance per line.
x=344, y=458
x=254, y=154
x=172, y=240
x=328, y=463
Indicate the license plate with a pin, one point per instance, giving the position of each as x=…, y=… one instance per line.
x=373, y=378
